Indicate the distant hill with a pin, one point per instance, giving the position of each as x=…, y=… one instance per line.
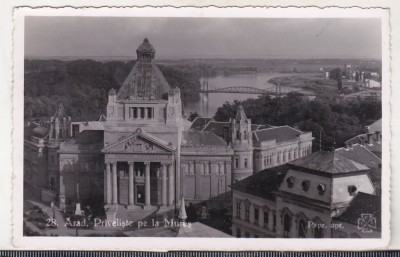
x=82, y=85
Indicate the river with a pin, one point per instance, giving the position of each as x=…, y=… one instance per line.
x=207, y=106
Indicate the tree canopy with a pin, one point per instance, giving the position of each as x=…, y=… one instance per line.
x=336, y=121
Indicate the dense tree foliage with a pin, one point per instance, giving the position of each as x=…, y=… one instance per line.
x=336, y=121
x=82, y=85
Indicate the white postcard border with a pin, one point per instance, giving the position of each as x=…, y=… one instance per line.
x=162, y=244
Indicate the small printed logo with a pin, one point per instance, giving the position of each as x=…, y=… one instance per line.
x=366, y=223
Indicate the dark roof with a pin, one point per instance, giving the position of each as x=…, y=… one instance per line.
x=217, y=127
x=199, y=123
x=361, y=154
x=145, y=81
x=36, y=130
x=87, y=140
x=375, y=147
x=263, y=183
x=328, y=162
x=201, y=139
x=363, y=204
x=376, y=126
x=255, y=127
x=280, y=134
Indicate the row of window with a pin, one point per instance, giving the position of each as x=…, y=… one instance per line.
x=141, y=112
x=256, y=214
x=245, y=163
x=239, y=135
x=205, y=169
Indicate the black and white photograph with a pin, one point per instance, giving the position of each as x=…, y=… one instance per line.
x=203, y=127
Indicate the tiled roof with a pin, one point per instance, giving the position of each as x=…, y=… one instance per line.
x=363, y=204
x=89, y=140
x=199, y=123
x=361, y=154
x=375, y=146
x=328, y=162
x=134, y=85
x=280, y=134
x=217, y=127
x=263, y=183
x=201, y=139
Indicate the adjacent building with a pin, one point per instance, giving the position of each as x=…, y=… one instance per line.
x=302, y=199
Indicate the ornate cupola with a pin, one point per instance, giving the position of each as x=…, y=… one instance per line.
x=145, y=52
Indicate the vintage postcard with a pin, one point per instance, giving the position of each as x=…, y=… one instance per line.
x=201, y=128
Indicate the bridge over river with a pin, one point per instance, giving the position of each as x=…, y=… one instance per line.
x=205, y=89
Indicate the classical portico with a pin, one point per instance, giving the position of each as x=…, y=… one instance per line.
x=139, y=172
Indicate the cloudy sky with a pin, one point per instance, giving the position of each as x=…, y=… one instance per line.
x=203, y=37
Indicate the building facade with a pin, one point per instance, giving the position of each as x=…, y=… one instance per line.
x=301, y=199
x=142, y=155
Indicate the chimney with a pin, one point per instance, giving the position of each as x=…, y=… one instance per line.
x=378, y=136
x=369, y=138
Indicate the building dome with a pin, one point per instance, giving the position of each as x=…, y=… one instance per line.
x=145, y=51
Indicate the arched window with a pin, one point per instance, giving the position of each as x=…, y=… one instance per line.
x=287, y=223
x=302, y=229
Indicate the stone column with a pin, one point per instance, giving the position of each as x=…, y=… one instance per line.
x=270, y=220
x=62, y=191
x=146, y=115
x=115, y=183
x=261, y=217
x=147, y=183
x=171, y=180
x=228, y=172
x=293, y=228
x=108, y=183
x=131, y=189
x=197, y=172
x=213, y=181
x=163, y=184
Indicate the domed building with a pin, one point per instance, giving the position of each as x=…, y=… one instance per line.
x=142, y=157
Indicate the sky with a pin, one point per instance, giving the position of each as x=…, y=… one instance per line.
x=203, y=37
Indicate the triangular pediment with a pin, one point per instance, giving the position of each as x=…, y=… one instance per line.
x=138, y=142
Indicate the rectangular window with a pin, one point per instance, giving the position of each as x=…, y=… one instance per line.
x=274, y=223
x=266, y=216
x=265, y=161
x=142, y=112
x=75, y=130
x=237, y=135
x=247, y=234
x=284, y=157
x=245, y=162
x=256, y=214
x=278, y=158
x=150, y=113
x=237, y=162
x=226, y=133
x=247, y=213
x=238, y=210
x=238, y=233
